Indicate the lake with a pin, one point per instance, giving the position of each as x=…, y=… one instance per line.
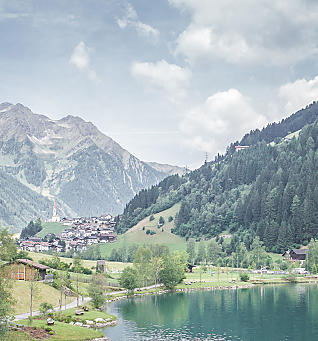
x=285, y=312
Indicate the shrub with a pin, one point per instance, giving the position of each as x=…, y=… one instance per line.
x=244, y=277
x=44, y=307
x=161, y=221
x=151, y=218
x=48, y=329
x=51, y=332
x=170, y=219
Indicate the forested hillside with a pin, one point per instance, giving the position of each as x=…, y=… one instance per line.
x=269, y=190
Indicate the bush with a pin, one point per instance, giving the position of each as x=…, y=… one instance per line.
x=170, y=219
x=244, y=277
x=292, y=277
x=48, y=329
x=151, y=218
x=161, y=221
x=44, y=307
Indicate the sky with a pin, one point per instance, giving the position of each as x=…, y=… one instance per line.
x=169, y=80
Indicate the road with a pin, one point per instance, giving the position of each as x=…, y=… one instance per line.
x=68, y=306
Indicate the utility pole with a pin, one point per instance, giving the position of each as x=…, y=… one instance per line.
x=206, y=158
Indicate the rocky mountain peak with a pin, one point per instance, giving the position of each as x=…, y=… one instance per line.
x=70, y=160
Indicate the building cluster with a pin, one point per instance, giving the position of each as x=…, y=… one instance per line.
x=78, y=235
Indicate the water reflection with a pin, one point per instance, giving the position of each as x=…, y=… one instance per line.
x=288, y=312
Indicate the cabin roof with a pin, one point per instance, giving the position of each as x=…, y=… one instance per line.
x=300, y=251
x=33, y=264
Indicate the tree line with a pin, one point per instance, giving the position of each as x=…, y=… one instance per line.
x=155, y=265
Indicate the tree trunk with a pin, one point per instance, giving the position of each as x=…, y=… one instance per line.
x=31, y=296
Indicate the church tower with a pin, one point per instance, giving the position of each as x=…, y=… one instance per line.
x=55, y=217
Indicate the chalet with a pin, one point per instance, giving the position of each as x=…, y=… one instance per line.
x=24, y=270
x=35, y=239
x=296, y=255
x=107, y=237
x=238, y=148
x=91, y=240
x=66, y=233
x=27, y=245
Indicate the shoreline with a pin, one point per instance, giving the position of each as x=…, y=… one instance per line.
x=248, y=285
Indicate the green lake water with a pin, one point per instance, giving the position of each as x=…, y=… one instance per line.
x=286, y=312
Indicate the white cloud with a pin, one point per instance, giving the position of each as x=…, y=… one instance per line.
x=170, y=79
x=81, y=59
x=223, y=118
x=130, y=19
x=298, y=94
x=275, y=32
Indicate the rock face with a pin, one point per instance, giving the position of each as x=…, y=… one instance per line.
x=68, y=160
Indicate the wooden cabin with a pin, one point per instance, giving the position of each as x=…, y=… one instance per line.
x=24, y=270
x=101, y=266
x=296, y=255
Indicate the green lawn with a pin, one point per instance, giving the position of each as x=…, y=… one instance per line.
x=66, y=332
x=92, y=314
x=48, y=227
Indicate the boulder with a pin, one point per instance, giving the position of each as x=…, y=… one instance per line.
x=79, y=312
x=80, y=324
x=50, y=321
x=99, y=320
x=89, y=322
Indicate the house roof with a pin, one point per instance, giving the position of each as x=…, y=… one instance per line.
x=33, y=264
x=300, y=251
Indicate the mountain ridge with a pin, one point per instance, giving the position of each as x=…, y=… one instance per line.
x=71, y=161
x=268, y=189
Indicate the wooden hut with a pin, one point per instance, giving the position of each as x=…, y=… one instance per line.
x=101, y=266
x=24, y=270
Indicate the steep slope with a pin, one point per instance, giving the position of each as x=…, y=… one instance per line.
x=19, y=204
x=168, y=169
x=70, y=160
x=269, y=190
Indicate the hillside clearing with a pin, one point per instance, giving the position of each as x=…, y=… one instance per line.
x=137, y=234
x=49, y=227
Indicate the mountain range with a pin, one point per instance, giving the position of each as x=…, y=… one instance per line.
x=67, y=160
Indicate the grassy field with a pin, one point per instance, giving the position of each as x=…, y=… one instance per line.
x=21, y=293
x=66, y=332
x=48, y=227
x=137, y=234
x=90, y=264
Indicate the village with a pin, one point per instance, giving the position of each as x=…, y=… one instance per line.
x=78, y=235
